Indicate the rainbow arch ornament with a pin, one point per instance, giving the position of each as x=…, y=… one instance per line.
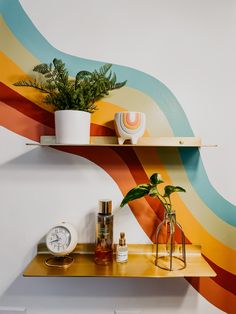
x=129, y=126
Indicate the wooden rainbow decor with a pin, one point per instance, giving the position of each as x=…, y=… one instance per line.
x=129, y=126
x=206, y=217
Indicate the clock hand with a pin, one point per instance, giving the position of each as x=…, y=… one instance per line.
x=54, y=240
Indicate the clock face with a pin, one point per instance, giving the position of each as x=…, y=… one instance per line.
x=58, y=240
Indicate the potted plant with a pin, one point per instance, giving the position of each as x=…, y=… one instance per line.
x=74, y=99
x=166, y=229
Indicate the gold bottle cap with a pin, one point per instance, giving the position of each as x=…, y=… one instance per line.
x=122, y=240
x=105, y=206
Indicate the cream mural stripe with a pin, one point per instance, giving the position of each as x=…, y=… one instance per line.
x=15, y=50
x=134, y=100
x=15, y=62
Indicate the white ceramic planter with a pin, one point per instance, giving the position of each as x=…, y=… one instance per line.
x=72, y=127
x=129, y=125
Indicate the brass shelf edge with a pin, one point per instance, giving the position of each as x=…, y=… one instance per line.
x=143, y=142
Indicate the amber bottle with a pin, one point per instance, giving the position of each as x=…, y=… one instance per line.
x=104, y=233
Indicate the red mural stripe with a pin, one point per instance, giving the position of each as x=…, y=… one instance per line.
x=25, y=106
x=215, y=294
x=20, y=124
x=100, y=130
x=30, y=109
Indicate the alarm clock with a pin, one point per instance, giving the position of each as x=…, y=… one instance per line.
x=61, y=240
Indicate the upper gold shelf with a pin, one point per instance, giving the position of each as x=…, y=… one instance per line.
x=143, y=142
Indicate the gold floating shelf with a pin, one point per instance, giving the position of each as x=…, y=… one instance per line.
x=142, y=142
x=140, y=264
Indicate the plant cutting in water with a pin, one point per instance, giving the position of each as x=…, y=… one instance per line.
x=167, y=225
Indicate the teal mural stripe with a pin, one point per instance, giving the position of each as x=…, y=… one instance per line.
x=29, y=36
x=199, y=179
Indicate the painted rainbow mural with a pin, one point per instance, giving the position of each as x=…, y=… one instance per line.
x=206, y=217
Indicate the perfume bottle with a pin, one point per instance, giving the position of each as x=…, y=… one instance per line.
x=104, y=233
x=122, y=249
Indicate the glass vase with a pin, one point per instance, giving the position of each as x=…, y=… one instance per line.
x=170, y=244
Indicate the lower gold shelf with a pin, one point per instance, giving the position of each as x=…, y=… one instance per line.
x=141, y=264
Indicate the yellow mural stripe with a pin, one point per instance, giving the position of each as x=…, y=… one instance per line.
x=222, y=255
x=10, y=73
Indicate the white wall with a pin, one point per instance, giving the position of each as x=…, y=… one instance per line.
x=190, y=46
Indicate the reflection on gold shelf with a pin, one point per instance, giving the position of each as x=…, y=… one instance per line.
x=140, y=264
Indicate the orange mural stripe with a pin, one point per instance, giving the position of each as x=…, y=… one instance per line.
x=215, y=294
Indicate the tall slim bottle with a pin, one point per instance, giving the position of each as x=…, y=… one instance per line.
x=104, y=233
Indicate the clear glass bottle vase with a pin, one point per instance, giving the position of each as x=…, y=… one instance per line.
x=170, y=244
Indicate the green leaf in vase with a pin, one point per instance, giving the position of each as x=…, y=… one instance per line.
x=169, y=189
x=137, y=192
x=156, y=179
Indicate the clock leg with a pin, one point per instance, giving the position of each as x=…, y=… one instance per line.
x=59, y=261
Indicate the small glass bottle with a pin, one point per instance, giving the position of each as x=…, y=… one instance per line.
x=104, y=233
x=122, y=249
